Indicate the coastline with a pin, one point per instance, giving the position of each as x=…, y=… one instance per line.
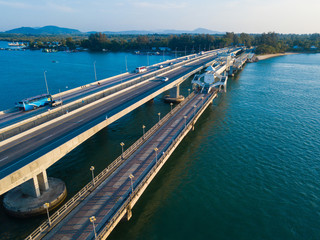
x=267, y=56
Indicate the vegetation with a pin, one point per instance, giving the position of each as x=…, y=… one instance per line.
x=265, y=43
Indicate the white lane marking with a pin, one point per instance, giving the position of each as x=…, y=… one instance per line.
x=4, y=159
x=126, y=176
x=47, y=137
x=80, y=120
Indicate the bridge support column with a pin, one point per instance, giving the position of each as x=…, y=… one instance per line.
x=174, y=95
x=43, y=181
x=31, y=187
x=28, y=199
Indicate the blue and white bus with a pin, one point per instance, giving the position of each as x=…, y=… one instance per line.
x=34, y=102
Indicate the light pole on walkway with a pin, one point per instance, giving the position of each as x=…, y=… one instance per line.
x=185, y=121
x=159, y=114
x=156, y=150
x=171, y=104
x=195, y=107
x=122, y=144
x=189, y=91
x=92, y=173
x=46, y=206
x=93, y=219
x=143, y=127
x=131, y=177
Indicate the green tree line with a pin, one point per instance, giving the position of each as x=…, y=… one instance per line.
x=265, y=43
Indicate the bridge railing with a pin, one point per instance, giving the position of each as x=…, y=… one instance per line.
x=122, y=210
x=85, y=191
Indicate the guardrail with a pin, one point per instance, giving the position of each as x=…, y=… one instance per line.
x=122, y=210
x=85, y=191
x=27, y=124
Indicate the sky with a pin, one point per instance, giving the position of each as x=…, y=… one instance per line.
x=249, y=16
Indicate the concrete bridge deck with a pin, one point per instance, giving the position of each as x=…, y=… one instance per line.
x=13, y=122
x=105, y=201
x=32, y=152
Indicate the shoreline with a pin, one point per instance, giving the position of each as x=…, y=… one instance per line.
x=267, y=56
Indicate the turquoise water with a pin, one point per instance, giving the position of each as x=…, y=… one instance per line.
x=250, y=170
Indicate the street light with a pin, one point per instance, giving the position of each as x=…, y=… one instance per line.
x=185, y=121
x=202, y=100
x=156, y=150
x=195, y=107
x=189, y=91
x=93, y=219
x=126, y=65
x=95, y=73
x=122, y=144
x=45, y=79
x=92, y=173
x=159, y=114
x=171, y=104
x=46, y=206
x=131, y=177
x=143, y=127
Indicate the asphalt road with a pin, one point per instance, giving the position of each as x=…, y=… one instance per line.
x=17, y=116
x=19, y=153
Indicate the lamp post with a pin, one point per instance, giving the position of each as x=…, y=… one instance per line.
x=126, y=65
x=159, y=114
x=131, y=177
x=92, y=173
x=45, y=79
x=185, y=121
x=143, y=127
x=195, y=107
x=93, y=219
x=202, y=100
x=46, y=206
x=156, y=150
x=171, y=104
x=122, y=144
x=189, y=91
x=95, y=73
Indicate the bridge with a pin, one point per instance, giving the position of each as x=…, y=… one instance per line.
x=96, y=209
x=25, y=157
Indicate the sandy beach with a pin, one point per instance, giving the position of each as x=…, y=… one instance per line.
x=266, y=56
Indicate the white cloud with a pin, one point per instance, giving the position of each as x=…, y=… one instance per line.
x=45, y=6
x=163, y=5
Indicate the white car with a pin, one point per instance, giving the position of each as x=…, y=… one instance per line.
x=164, y=79
x=160, y=66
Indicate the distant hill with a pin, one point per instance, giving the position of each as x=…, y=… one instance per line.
x=52, y=30
x=196, y=31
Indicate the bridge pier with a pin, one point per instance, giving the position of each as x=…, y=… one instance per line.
x=174, y=95
x=28, y=199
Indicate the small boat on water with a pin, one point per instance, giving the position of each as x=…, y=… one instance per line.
x=16, y=44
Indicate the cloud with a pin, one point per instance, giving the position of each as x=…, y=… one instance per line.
x=163, y=5
x=46, y=6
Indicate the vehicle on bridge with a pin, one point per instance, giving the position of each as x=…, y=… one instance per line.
x=28, y=104
x=141, y=69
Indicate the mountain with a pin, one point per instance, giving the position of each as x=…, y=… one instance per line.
x=44, y=30
x=169, y=31
x=54, y=30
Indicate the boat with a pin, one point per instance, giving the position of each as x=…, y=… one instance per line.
x=16, y=44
